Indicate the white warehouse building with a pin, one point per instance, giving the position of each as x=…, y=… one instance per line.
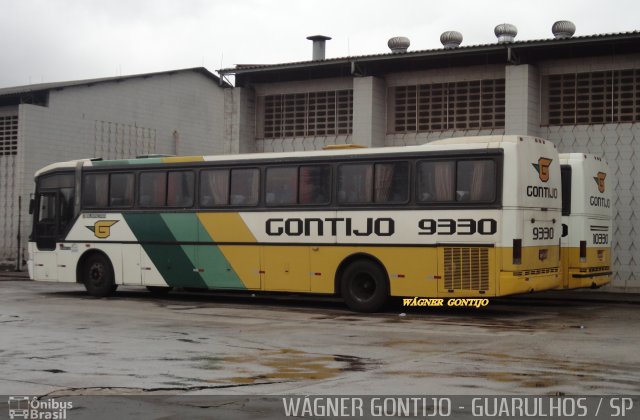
x=581, y=92
x=173, y=112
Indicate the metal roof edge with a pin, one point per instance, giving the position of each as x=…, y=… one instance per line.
x=43, y=87
x=468, y=49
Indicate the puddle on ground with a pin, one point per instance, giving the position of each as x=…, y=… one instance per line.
x=552, y=373
x=286, y=365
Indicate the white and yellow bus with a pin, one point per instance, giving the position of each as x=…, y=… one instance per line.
x=586, y=221
x=469, y=217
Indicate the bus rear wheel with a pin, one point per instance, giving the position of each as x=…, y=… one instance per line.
x=364, y=286
x=97, y=276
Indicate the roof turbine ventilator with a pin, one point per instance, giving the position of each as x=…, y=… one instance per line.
x=563, y=29
x=451, y=39
x=505, y=32
x=399, y=44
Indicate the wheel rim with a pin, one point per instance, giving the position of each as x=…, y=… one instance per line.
x=97, y=273
x=363, y=287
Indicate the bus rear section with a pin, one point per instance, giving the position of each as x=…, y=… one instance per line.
x=524, y=254
x=586, y=221
x=529, y=256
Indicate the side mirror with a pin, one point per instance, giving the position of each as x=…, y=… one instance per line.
x=32, y=205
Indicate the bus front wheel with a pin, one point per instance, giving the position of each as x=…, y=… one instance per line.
x=97, y=275
x=364, y=286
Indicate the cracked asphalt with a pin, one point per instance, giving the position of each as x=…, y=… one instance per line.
x=57, y=341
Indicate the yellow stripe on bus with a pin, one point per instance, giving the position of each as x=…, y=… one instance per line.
x=182, y=159
x=245, y=260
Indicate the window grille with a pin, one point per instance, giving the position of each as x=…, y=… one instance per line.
x=308, y=114
x=477, y=104
x=8, y=135
x=593, y=98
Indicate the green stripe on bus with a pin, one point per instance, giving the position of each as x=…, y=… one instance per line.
x=218, y=272
x=173, y=261
x=125, y=162
x=186, y=265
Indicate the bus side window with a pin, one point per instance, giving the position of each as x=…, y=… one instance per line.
x=95, y=193
x=436, y=180
x=355, y=183
x=281, y=186
x=214, y=187
x=121, y=190
x=476, y=181
x=152, y=189
x=245, y=184
x=180, y=186
x=314, y=185
x=391, y=182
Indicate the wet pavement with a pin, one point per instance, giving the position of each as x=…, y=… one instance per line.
x=55, y=340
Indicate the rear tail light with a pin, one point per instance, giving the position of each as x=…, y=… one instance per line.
x=517, y=251
x=583, y=251
x=543, y=254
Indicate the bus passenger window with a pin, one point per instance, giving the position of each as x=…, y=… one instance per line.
x=315, y=185
x=214, y=188
x=436, y=181
x=355, y=183
x=245, y=185
x=180, y=188
x=391, y=182
x=121, y=190
x=476, y=181
x=95, y=190
x=281, y=186
x=152, y=189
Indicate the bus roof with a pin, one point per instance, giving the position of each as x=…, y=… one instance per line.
x=459, y=143
x=566, y=158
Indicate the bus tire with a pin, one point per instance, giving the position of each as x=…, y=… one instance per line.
x=159, y=290
x=364, y=286
x=97, y=276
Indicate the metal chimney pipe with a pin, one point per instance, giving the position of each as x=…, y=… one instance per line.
x=318, y=46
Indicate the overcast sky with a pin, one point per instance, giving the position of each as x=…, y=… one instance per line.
x=59, y=40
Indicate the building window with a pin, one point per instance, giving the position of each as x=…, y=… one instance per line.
x=8, y=135
x=600, y=97
x=476, y=104
x=309, y=114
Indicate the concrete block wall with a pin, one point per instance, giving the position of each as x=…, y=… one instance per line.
x=188, y=103
x=8, y=200
x=522, y=100
x=179, y=113
x=369, y=111
x=619, y=144
x=240, y=121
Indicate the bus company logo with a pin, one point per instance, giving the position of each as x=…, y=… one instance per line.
x=102, y=228
x=542, y=167
x=33, y=408
x=600, y=180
